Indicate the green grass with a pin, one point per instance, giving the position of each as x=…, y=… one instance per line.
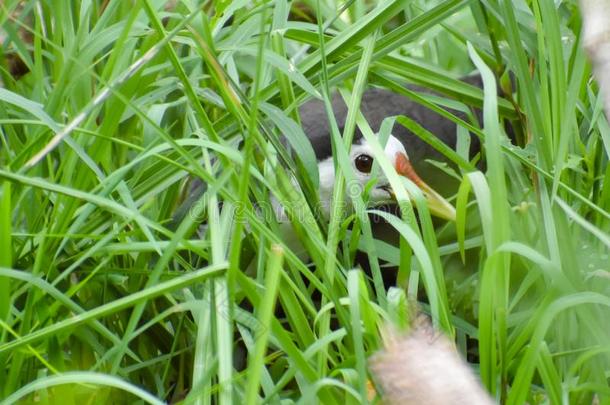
x=119, y=104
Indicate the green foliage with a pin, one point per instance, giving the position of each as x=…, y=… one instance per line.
x=110, y=109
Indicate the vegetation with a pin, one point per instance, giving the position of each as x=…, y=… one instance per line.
x=109, y=108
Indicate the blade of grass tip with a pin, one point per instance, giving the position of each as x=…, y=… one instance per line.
x=353, y=288
x=482, y=194
x=495, y=159
x=398, y=308
x=264, y=315
x=500, y=229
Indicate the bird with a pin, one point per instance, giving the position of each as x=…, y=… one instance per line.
x=405, y=151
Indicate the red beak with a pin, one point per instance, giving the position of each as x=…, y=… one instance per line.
x=437, y=204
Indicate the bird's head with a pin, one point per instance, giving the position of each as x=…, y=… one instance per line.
x=362, y=159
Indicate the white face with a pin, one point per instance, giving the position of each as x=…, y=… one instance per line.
x=362, y=158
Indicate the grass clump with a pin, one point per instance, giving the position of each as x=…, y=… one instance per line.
x=110, y=109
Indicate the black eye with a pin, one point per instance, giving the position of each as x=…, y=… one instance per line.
x=364, y=163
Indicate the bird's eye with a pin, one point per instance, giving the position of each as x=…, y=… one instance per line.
x=364, y=163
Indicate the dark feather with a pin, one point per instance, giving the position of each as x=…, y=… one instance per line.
x=377, y=104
